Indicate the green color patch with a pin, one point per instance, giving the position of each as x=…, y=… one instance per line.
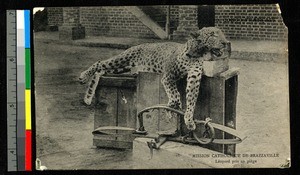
x=27, y=68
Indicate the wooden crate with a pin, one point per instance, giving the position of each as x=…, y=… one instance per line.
x=112, y=110
x=150, y=92
x=217, y=100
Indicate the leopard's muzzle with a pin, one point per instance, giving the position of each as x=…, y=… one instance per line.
x=222, y=52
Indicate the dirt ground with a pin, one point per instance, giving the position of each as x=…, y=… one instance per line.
x=64, y=125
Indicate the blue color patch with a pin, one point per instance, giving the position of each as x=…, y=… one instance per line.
x=27, y=28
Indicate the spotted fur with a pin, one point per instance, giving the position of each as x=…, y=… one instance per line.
x=172, y=59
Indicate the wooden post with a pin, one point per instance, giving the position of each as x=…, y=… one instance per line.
x=168, y=22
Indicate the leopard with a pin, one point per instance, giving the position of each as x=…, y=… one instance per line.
x=171, y=59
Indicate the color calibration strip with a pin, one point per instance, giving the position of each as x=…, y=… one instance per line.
x=18, y=70
x=28, y=136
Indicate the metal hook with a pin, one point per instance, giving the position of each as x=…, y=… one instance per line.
x=123, y=97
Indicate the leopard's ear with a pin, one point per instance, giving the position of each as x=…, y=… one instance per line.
x=194, y=34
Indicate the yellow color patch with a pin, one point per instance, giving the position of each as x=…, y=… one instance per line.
x=28, y=109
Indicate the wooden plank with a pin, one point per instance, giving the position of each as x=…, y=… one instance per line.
x=202, y=105
x=105, y=110
x=112, y=110
x=214, y=68
x=123, y=82
x=202, y=109
x=231, y=86
x=167, y=123
x=112, y=144
x=126, y=138
x=230, y=73
x=147, y=21
x=148, y=95
x=181, y=86
x=154, y=94
x=106, y=107
x=127, y=112
x=217, y=107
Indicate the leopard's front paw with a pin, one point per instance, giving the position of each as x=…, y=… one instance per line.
x=191, y=126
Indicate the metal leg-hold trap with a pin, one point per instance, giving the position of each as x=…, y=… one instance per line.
x=203, y=134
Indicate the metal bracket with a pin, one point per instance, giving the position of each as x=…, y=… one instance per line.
x=156, y=143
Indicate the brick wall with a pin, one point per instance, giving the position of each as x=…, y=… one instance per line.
x=250, y=22
x=113, y=21
x=237, y=21
x=71, y=16
x=55, y=16
x=188, y=21
x=174, y=13
x=188, y=17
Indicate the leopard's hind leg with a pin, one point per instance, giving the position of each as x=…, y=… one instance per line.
x=95, y=81
x=92, y=87
x=118, y=64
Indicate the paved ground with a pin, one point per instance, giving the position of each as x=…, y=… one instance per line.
x=275, y=51
x=64, y=125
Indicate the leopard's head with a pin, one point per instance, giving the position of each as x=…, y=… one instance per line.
x=208, y=40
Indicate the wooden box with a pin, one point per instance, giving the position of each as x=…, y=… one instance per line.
x=150, y=92
x=217, y=100
x=115, y=106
